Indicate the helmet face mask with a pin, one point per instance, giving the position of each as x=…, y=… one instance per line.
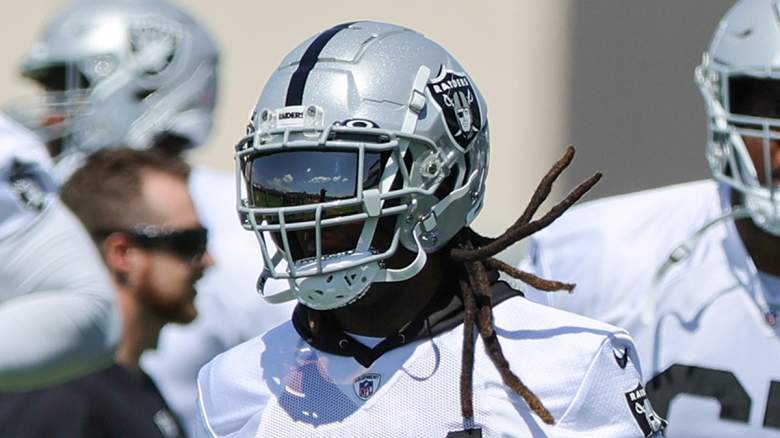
x=119, y=73
x=358, y=170
x=739, y=81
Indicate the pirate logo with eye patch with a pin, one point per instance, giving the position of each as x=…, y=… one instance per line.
x=454, y=95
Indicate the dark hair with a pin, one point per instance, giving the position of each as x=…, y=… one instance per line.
x=106, y=192
x=475, y=286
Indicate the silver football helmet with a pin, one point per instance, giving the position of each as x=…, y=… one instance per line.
x=367, y=138
x=744, y=54
x=120, y=72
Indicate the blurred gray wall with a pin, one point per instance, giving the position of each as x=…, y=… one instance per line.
x=612, y=77
x=516, y=51
x=634, y=111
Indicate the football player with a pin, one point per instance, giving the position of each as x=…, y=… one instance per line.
x=140, y=73
x=364, y=163
x=58, y=313
x=693, y=270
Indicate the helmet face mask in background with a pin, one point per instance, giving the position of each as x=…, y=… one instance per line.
x=120, y=72
x=745, y=48
x=368, y=138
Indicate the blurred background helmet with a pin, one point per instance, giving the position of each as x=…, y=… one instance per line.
x=368, y=138
x=743, y=61
x=137, y=73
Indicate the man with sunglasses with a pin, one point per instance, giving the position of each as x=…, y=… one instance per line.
x=136, y=206
x=693, y=271
x=144, y=74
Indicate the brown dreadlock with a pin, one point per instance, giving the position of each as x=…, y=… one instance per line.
x=475, y=286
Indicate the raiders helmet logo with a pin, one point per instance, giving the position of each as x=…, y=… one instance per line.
x=453, y=94
x=154, y=43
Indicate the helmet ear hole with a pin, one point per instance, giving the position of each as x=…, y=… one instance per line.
x=467, y=166
x=144, y=93
x=447, y=186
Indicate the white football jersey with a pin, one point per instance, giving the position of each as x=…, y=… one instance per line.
x=230, y=311
x=585, y=372
x=702, y=325
x=58, y=312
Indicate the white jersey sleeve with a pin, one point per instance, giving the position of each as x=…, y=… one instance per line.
x=588, y=246
x=611, y=401
x=58, y=313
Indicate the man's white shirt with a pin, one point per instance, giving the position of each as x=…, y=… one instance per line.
x=700, y=323
x=230, y=310
x=586, y=373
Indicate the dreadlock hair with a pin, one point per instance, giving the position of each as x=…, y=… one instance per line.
x=476, y=254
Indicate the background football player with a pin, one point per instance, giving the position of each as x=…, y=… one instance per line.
x=140, y=73
x=693, y=271
x=58, y=314
x=364, y=162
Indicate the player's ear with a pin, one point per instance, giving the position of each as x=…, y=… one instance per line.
x=119, y=254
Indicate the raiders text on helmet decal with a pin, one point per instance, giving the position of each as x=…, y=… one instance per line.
x=457, y=100
x=290, y=115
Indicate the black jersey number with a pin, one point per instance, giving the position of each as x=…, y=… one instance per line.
x=720, y=385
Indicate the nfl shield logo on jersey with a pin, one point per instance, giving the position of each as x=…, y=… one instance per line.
x=366, y=385
x=457, y=100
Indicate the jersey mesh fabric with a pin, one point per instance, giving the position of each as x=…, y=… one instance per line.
x=296, y=391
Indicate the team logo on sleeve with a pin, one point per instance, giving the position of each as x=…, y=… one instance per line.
x=453, y=94
x=30, y=185
x=643, y=412
x=366, y=385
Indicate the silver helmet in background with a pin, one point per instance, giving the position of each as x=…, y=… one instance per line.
x=743, y=61
x=368, y=138
x=120, y=72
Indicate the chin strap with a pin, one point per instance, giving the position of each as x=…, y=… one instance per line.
x=680, y=254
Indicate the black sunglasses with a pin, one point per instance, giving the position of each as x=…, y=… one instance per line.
x=187, y=244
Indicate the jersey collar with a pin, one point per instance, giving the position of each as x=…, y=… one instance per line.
x=443, y=313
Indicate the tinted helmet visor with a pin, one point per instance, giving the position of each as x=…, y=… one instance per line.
x=310, y=177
